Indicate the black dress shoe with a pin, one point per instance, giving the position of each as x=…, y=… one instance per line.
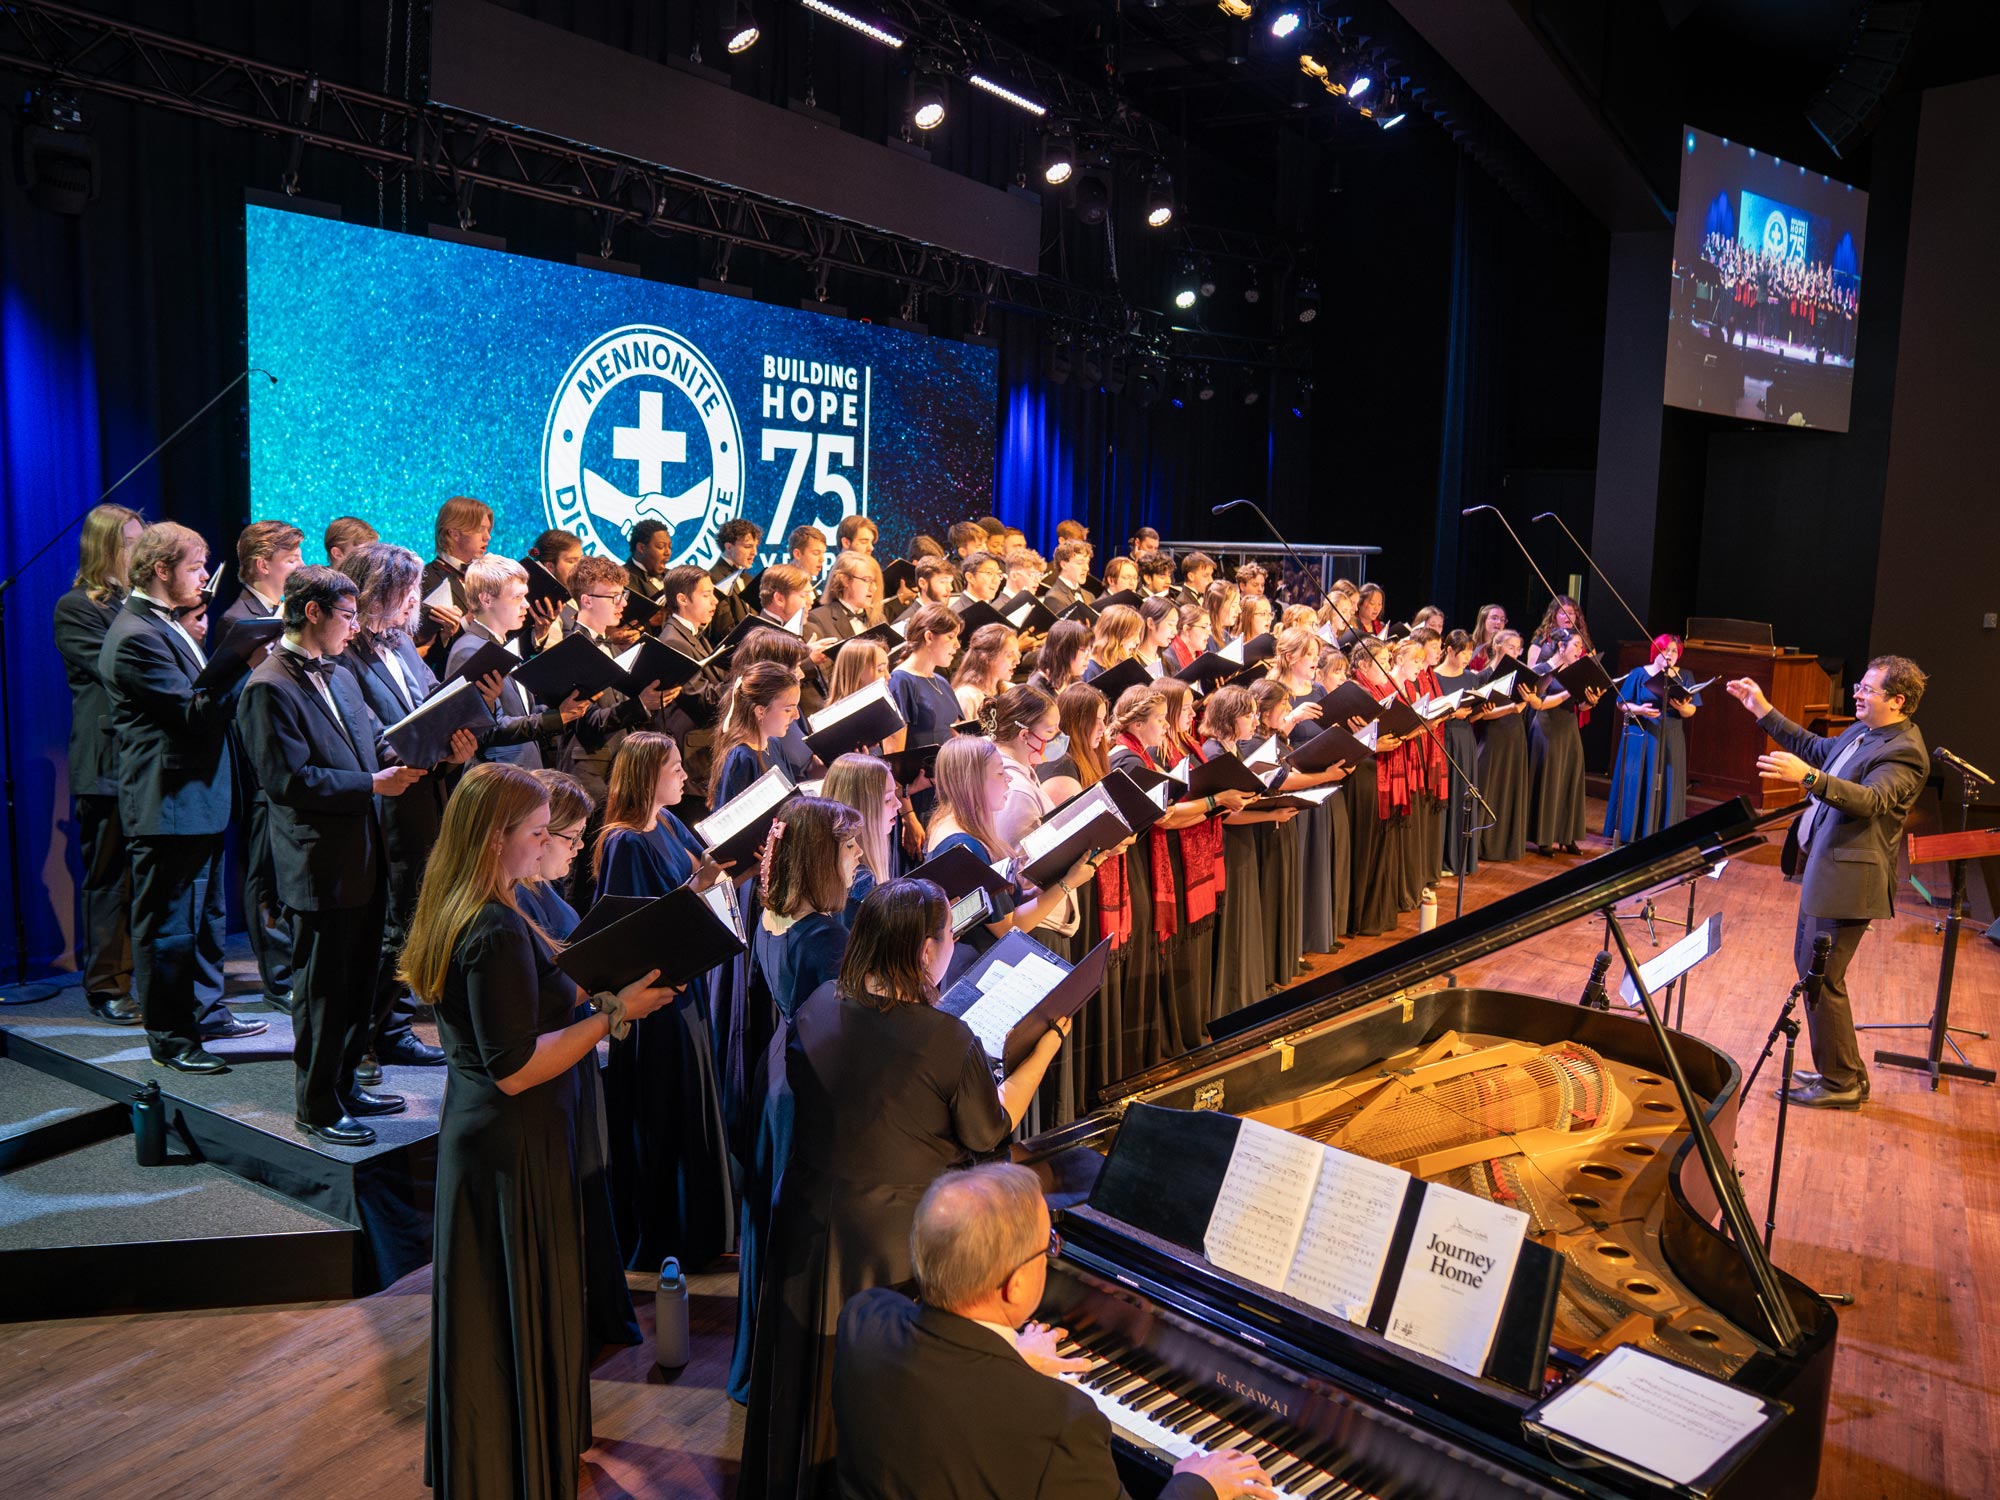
x=368, y=1072
x=1816, y=1095
x=194, y=1059
x=1807, y=1075
x=119, y=1010
x=231, y=1029
x=342, y=1132
x=410, y=1051
x=361, y=1103
x=279, y=1000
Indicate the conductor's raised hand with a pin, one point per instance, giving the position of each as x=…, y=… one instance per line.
x=642, y=996
x=1746, y=692
x=1230, y=1474
x=1037, y=1345
x=1783, y=766
x=393, y=781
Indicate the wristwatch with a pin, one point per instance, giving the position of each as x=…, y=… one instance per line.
x=1809, y=780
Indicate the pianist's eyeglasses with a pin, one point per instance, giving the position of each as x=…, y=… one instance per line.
x=1051, y=1250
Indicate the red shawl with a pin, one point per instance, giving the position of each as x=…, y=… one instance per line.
x=1418, y=764
x=1201, y=853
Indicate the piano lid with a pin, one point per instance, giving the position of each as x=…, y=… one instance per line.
x=1691, y=845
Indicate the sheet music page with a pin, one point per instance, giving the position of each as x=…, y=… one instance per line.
x=1261, y=1207
x=1233, y=651
x=1665, y=967
x=853, y=703
x=630, y=655
x=1347, y=1231
x=1015, y=617
x=1179, y=770
x=721, y=899
x=1500, y=687
x=1652, y=1413
x=1007, y=992
x=1158, y=796
x=1317, y=795
x=1263, y=753
x=439, y=597
x=436, y=703
x=1369, y=733
x=1041, y=839
x=1456, y=1276
x=730, y=819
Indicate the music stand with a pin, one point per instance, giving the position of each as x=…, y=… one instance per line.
x=1959, y=849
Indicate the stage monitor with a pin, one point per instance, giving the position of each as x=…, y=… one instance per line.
x=1767, y=287
x=413, y=369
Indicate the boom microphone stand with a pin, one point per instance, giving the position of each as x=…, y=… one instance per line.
x=24, y=993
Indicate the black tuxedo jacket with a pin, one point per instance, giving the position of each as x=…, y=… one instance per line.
x=932, y=1406
x=431, y=638
x=834, y=620
x=174, y=765
x=1060, y=596
x=593, y=741
x=519, y=723
x=81, y=625
x=732, y=609
x=317, y=770
x=410, y=822
x=246, y=606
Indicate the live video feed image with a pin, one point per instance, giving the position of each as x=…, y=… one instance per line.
x=1767, y=287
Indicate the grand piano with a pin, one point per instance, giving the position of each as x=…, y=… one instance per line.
x=1571, y=1114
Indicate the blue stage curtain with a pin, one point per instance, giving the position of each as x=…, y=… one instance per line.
x=1469, y=454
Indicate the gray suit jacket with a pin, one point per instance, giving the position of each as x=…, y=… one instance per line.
x=1850, y=866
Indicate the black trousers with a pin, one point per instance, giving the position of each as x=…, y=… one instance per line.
x=266, y=918
x=336, y=957
x=394, y=1011
x=1836, y=1050
x=105, y=953
x=177, y=937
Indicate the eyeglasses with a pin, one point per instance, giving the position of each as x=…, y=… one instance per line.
x=574, y=838
x=609, y=598
x=348, y=615
x=1051, y=1250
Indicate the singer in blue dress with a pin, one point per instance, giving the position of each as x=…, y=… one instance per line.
x=796, y=947
x=1651, y=724
x=669, y=1154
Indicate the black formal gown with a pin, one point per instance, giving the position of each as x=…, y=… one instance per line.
x=606, y=1295
x=1242, y=973
x=884, y=1101
x=509, y=1407
x=1504, y=778
x=1463, y=742
x=1375, y=886
x=1555, y=756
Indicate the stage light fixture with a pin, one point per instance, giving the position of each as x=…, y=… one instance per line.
x=819, y=282
x=1253, y=388
x=1208, y=283
x=1058, y=156
x=1001, y=91
x=1204, y=385
x=1236, y=10
x=1091, y=367
x=1059, y=359
x=1306, y=300
x=55, y=159
x=1253, y=289
x=743, y=29
x=927, y=102
x=1285, y=22
x=1359, y=84
x=1160, y=200
x=1177, y=390
x=1312, y=67
x=1093, y=187
x=853, y=23
x=1236, y=39
x=1187, y=284
x=1145, y=380
x=1302, y=400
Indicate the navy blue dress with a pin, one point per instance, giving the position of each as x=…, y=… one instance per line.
x=739, y=768
x=741, y=1020
x=1629, y=807
x=668, y=1152
x=977, y=938
x=792, y=964
x=607, y=1299
x=929, y=707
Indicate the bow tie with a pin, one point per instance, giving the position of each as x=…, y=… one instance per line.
x=316, y=666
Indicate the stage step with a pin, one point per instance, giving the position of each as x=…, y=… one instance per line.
x=89, y=1231
x=41, y=1116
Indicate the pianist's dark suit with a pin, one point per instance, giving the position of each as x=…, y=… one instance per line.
x=317, y=768
x=932, y=1406
x=105, y=956
x=269, y=931
x=174, y=787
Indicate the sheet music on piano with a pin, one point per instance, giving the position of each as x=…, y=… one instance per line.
x=1304, y=1219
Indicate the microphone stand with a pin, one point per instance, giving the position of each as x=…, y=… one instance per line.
x=1437, y=735
x=1656, y=783
x=25, y=993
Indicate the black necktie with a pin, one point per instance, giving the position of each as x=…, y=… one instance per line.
x=317, y=666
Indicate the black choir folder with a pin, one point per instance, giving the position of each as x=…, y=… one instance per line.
x=864, y=718
x=652, y=660
x=1174, y=1175
x=735, y=831
x=682, y=934
x=1019, y=990
x=423, y=736
x=230, y=660
x=574, y=664
x=1579, y=676
x=1087, y=824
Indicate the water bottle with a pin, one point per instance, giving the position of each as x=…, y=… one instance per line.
x=670, y=1317
x=1427, y=910
x=149, y=1126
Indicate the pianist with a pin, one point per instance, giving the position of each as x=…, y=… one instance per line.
x=951, y=1397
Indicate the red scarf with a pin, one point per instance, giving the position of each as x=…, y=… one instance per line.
x=1166, y=919
x=1201, y=854
x=1416, y=765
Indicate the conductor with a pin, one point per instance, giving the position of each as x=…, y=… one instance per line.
x=1859, y=787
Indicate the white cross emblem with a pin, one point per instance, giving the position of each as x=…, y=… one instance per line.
x=650, y=443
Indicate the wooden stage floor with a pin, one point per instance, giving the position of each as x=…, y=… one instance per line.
x=1897, y=1204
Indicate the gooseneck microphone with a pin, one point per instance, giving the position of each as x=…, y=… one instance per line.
x=1816, y=970
x=1297, y=561
x=1594, y=997
x=1470, y=509
x=1549, y=515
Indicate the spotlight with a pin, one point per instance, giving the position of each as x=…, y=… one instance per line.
x=1177, y=391
x=1160, y=200
x=1207, y=279
x=1058, y=156
x=1253, y=290
x=743, y=29
x=1236, y=43
x=1285, y=22
x=1093, y=187
x=853, y=22
x=1059, y=359
x=1187, y=284
x=1204, y=385
x=1253, y=390
x=1389, y=110
x=1302, y=402
x=1305, y=301
x=1001, y=91
x=55, y=159
x=927, y=102
x=1236, y=10
x=1359, y=84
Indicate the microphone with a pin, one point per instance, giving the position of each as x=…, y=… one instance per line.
x=1547, y=515
x=1216, y=510
x=1945, y=757
x=1594, y=997
x=1816, y=970
x=1474, y=509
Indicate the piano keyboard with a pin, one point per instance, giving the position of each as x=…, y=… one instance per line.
x=1160, y=1421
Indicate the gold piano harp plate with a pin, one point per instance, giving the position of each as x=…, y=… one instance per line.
x=1582, y=1143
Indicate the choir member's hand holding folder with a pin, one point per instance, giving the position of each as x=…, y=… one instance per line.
x=1086, y=825
x=423, y=736
x=1399, y=719
x=544, y=588
x=1227, y=773
x=1334, y=743
x=1672, y=689
x=972, y=886
x=1018, y=992
x=1025, y=612
x=683, y=934
x=866, y=717
x=575, y=664
x=1586, y=680
x=1208, y=669
x=911, y=766
x=236, y=655
x=1348, y=702
x=490, y=657
x=1511, y=671
x=735, y=831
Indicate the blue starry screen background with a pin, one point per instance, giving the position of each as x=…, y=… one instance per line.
x=413, y=369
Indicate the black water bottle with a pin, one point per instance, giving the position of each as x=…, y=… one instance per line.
x=149, y=1126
